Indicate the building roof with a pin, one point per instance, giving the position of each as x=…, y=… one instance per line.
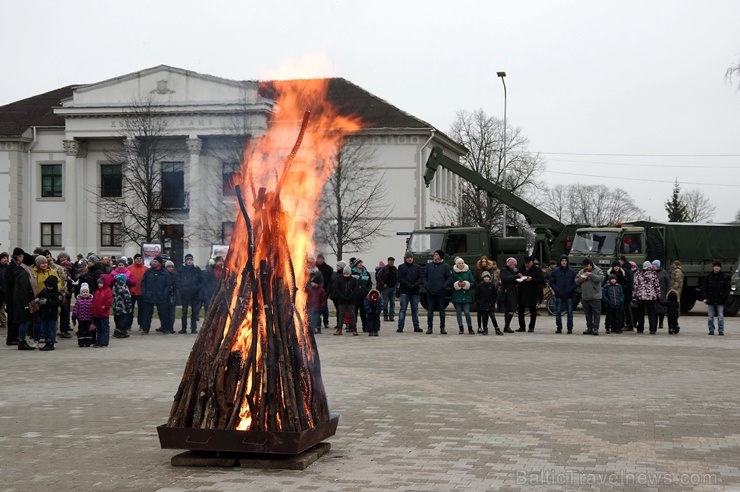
x=18, y=116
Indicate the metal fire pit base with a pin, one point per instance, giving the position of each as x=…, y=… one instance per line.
x=234, y=441
x=299, y=461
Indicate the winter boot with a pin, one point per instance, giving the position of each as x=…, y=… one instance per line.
x=470, y=330
x=499, y=332
x=462, y=332
x=507, y=323
x=47, y=347
x=338, y=331
x=23, y=345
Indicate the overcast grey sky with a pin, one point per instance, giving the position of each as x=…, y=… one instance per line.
x=583, y=77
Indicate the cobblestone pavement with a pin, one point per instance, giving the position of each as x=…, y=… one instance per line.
x=418, y=412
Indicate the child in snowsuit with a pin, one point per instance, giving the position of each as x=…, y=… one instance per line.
x=82, y=312
x=485, y=297
x=673, y=312
x=102, y=301
x=613, y=298
x=121, y=306
x=50, y=299
x=373, y=310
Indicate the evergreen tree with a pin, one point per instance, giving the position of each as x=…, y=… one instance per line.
x=675, y=207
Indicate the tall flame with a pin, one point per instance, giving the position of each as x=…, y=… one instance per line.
x=283, y=175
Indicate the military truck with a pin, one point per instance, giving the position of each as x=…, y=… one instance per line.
x=695, y=245
x=733, y=303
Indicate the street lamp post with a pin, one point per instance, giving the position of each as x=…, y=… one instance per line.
x=502, y=76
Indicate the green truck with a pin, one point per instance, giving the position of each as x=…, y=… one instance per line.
x=733, y=303
x=697, y=246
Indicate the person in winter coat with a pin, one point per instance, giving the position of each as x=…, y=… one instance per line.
x=715, y=289
x=137, y=270
x=344, y=292
x=82, y=313
x=102, y=302
x=373, y=308
x=155, y=291
x=677, y=278
x=50, y=299
x=528, y=292
x=563, y=284
x=24, y=291
x=646, y=291
x=315, y=301
x=121, y=306
x=211, y=277
x=626, y=267
x=437, y=279
x=188, y=279
x=327, y=274
x=613, y=297
x=484, y=265
x=673, y=312
x=463, y=285
x=508, y=299
x=589, y=279
x=410, y=280
x=336, y=274
x=485, y=298
x=95, y=269
x=616, y=270
x=388, y=275
x=364, y=285
x=16, y=260
x=664, y=280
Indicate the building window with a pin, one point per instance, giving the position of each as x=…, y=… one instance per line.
x=230, y=177
x=51, y=234
x=227, y=232
x=173, y=185
x=110, y=234
x=51, y=180
x=111, y=180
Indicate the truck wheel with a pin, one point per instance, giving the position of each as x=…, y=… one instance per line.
x=733, y=306
x=687, y=303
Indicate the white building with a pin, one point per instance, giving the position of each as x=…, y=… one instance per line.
x=54, y=162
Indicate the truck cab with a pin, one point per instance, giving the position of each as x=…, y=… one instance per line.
x=603, y=245
x=733, y=303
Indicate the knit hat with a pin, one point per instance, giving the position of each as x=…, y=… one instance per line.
x=121, y=261
x=341, y=264
x=120, y=278
x=485, y=275
x=50, y=280
x=440, y=253
x=40, y=259
x=587, y=261
x=94, y=258
x=408, y=254
x=717, y=263
x=158, y=259
x=169, y=263
x=656, y=263
x=347, y=271
x=459, y=260
x=188, y=256
x=84, y=287
x=615, y=263
x=18, y=252
x=123, y=258
x=101, y=280
x=646, y=265
x=510, y=261
x=612, y=277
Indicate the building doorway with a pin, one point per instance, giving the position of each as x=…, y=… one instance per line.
x=172, y=242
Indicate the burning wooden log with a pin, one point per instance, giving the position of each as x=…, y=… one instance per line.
x=255, y=365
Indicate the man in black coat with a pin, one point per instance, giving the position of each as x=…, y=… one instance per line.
x=9, y=280
x=344, y=292
x=437, y=279
x=326, y=273
x=409, y=281
x=388, y=275
x=715, y=289
x=188, y=279
x=531, y=281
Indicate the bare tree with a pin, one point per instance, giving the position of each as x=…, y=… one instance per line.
x=353, y=202
x=145, y=146
x=518, y=172
x=591, y=204
x=698, y=206
x=732, y=72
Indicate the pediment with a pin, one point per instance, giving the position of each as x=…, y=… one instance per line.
x=168, y=86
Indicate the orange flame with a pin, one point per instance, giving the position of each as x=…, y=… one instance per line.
x=285, y=188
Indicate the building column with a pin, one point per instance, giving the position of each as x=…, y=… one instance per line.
x=73, y=230
x=196, y=189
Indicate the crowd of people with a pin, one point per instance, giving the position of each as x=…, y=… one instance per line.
x=37, y=290
x=630, y=298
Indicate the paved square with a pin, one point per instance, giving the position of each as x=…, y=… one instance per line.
x=418, y=412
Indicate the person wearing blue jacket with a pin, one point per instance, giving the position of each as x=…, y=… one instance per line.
x=563, y=285
x=155, y=291
x=437, y=279
x=613, y=297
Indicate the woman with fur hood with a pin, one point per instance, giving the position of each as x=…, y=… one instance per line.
x=462, y=295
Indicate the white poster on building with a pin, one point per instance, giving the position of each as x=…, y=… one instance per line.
x=219, y=250
x=149, y=251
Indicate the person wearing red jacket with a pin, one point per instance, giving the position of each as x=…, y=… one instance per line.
x=102, y=302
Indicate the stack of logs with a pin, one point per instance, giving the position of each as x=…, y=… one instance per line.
x=273, y=367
